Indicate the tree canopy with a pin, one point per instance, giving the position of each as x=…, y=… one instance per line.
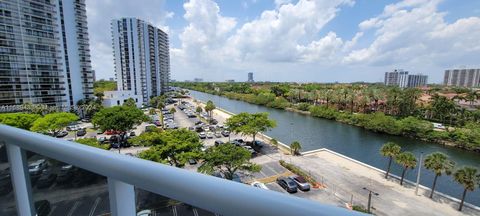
x=175, y=147
x=439, y=164
x=19, y=120
x=390, y=150
x=53, y=122
x=130, y=102
x=209, y=107
x=119, y=118
x=227, y=159
x=250, y=124
x=406, y=160
x=469, y=178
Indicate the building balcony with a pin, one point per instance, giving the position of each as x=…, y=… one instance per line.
x=126, y=178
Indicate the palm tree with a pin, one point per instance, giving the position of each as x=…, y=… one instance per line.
x=172, y=111
x=274, y=142
x=390, y=150
x=406, y=160
x=469, y=178
x=295, y=148
x=152, y=111
x=439, y=164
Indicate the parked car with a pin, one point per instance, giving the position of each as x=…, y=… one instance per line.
x=111, y=132
x=226, y=133
x=46, y=179
x=258, y=143
x=202, y=135
x=302, y=184
x=236, y=178
x=81, y=132
x=102, y=139
x=72, y=127
x=36, y=167
x=218, y=134
x=218, y=142
x=83, y=177
x=66, y=174
x=5, y=182
x=62, y=134
x=259, y=185
x=198, y=122
x=250, y=149
x=132, y=134
x=192, y=161
x=287, y=184
x=210, y=135
x=145, y=213
x=42, y=207
x=85, y=120
x=213, y=121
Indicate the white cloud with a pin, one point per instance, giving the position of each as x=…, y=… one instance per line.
x=414, y=32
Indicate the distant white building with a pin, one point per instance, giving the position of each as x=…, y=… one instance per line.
x=250, y=77
x=462, y=77
x=402, y=79
x=117, y=98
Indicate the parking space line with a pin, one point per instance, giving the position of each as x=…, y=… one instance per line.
x=70, y=213
x=195, y=212
x=174, y=208
x=52, y=210
x=95, y=204
x=268, y=167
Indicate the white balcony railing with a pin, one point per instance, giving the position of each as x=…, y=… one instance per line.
x=125, y=172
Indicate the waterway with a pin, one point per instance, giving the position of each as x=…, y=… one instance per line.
x=355, y=142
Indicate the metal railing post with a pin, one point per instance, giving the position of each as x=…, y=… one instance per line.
x=20, y=180
x=122, y=198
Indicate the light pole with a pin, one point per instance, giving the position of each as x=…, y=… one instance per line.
x=418, y=174
x=370, y=192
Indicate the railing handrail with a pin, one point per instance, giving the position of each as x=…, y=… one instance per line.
x=203, y=191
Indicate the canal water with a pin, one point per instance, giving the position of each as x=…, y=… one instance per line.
x=355, y=142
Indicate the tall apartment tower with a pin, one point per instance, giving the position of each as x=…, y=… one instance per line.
x=142, y=60
x=462, y=77
x=417, y=80
x=250, y=77
x=44, y=52
x=397, y=78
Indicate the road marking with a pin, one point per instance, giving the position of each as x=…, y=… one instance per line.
x=77, y=203
x=174, y=208
x=195, y=212
x=52, y=210
x=94, y=207
x=268, y=167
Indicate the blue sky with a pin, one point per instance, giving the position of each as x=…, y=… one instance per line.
x=300, y=40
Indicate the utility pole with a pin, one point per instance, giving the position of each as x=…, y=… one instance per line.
x=370, y=192
x=418, y=174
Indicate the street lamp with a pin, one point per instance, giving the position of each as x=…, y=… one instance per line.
x=370, y=192
x=418, y=174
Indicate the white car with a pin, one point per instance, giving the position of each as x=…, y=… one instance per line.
x=260, y=185
x=145, y=213
x=210, y=135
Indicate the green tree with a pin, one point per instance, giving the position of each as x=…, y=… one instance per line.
x=104, y=85
x=172, y=111
x=152, y=111
x=439, y=164
x=469, y=178
x=209, y=107
x=130, y=102
x=199, y=109
x=250, y=124
x=119, y=118
x=19, y=120
x=295, y=148
x=173, y=146
x=406, y=160
x=227, y=159
x=390, y=150
x=53, y=122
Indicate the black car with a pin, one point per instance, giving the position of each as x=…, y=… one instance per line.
x=83, y=177
x=66, y=174
x=213, y=121
x=218, y=142
x=42, y=207
x=81, y=132
x=46, y=179
x=62, y=134
x=132, y=133
x=287, y=184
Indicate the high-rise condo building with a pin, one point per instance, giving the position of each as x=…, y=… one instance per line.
x=250, y=77
x=142, y=60
x=402, y=79
x=44, y=52
x=462, y=77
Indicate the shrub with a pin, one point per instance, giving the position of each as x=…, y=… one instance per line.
x=298, y=171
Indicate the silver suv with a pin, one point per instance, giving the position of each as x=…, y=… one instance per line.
x=36, y=167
